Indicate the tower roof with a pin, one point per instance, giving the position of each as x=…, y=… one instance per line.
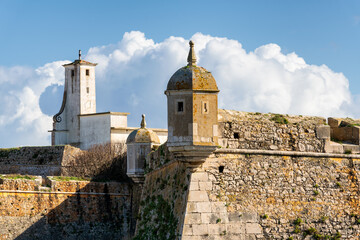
x=192, y=77
x=143, y=135
x=80, y=62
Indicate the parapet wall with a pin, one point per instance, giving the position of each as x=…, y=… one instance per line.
x=34, y=208
x=44, y=161
x=240, y=194
x=252, y=194
x=245, y=130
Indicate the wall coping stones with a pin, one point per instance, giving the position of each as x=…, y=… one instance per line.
x=71, y=193
x=286, y=153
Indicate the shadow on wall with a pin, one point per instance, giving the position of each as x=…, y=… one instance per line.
x=69, y=207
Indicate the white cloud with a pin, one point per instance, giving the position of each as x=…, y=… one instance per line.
x=21, y=120
x=133, y=73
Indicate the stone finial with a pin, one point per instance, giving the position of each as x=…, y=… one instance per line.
x=191, y=57
x=143, y=123
x=79, y=54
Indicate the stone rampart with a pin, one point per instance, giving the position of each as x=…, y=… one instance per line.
x=162, y=205
x=44, y=161
x=245, y=130
x=63, y=209
x=260, y=195
x=253, y=194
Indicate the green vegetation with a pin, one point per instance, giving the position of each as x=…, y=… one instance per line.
x=278, y=118
x=338, y=184
x=218, y=220
x=298, y=221
x=323, y=219
x=5, y=152
x=336, y=140
x=265, y=216
x=64, y=178
x=310, y=231
x=165, y=223
x=12, y=176
x=348, y=152
x=316, y=192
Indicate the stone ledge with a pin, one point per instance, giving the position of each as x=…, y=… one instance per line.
x=67, y=193
x=286, y=153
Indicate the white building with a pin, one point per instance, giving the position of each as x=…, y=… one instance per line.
x=77, y=122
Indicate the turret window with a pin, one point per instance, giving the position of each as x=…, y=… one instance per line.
x=180, y=106
x=87, y=72
x=87, y=90
x=205, y=107
x=72, y=73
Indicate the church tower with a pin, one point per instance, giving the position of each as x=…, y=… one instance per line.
x=79, y=98
x=192, y=106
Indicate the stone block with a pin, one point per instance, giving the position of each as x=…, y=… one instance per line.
x=206, y=217
x=216, y=229
x=333, y=122
x=249, y=217
x=203, y=207
x=235, y=216
x=253, y=228
x=205, y=186
x=198, y=196
x=235, y=228
x=199, y=177
x=200, y=229
x=250, y=237
x=191, y=207
x=194, y=186
x=323, y=132
x=191, y=238
x=192, y=218
x=218, y=207
x=187, y=230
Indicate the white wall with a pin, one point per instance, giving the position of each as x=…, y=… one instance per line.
x=95, y=129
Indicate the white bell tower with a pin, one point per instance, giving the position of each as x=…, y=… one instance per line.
x=79, y=98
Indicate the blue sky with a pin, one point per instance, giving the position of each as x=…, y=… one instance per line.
x=322, y=32
x=36, y=33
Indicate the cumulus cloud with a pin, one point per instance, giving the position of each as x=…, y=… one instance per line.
x=22, y=122
x=132, y=75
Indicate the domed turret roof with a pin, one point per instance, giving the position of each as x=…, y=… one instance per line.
x=192, y=77
x=143, y=135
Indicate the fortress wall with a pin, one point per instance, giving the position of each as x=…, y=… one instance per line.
x=163, y=202
x=245, y=130
x=44, y=161
x=64, y=210
x=260, y=196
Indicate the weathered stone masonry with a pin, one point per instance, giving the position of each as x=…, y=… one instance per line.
x=258, y=194
x=63, y=209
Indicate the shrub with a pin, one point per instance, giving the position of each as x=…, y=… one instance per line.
x=100, y=163
x=278, y=118
x=298, y=221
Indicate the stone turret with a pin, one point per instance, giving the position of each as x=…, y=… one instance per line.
x=139, y=145
x=192, y=106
